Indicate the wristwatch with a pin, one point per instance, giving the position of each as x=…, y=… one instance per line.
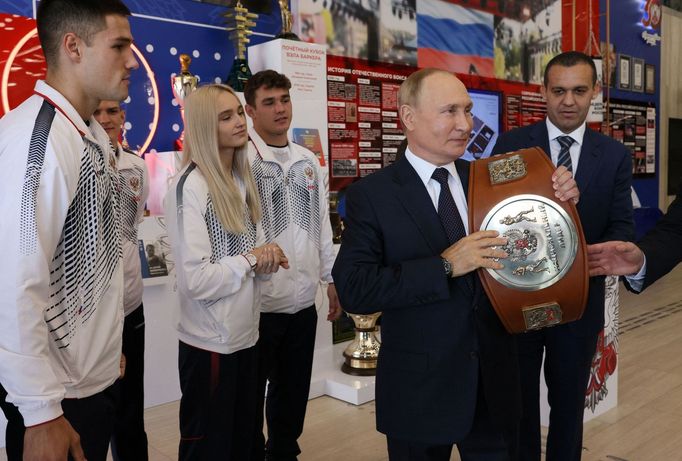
x=447, y=267
x=251, y=258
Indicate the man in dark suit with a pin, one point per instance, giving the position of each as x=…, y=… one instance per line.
x=659, y=251
x=447, y=371
x=603, y=171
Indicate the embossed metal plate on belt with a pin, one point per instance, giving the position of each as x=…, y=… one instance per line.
x=542, y=241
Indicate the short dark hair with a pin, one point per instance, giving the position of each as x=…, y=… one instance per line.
x=264, y=79
x=570, y=59
x=84, y=18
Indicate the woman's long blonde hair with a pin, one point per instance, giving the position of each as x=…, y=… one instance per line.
x=201, y=147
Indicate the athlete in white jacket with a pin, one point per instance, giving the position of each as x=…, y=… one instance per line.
x=61, y=310
x=129, y=440
x=212, y=214
x=294, y=198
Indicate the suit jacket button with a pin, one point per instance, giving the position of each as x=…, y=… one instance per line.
x=473, y=354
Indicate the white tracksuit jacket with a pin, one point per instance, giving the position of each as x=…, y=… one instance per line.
x=295, y=216
x=61, y=278
x=219, y=293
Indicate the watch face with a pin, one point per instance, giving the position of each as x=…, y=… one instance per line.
x=252, y=260
x=447, y=267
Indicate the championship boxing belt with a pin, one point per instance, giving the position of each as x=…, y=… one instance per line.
x=545, y=278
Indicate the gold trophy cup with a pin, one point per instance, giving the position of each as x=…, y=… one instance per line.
x=287, y=21
x=183, y=84
x=362, y=353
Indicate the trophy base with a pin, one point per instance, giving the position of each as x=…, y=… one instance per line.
x=368, y=369
x=239, y=74
x=288, y=36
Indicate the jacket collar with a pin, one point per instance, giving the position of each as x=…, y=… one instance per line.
x=265, y=152
x=590, y=152
x=94, y=132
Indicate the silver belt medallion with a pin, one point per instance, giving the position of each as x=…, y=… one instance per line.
x=542, y=241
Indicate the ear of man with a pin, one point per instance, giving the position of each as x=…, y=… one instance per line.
x=72, y=46
x=407, y=116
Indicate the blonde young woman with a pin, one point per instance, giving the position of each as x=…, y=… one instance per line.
x=212, y=214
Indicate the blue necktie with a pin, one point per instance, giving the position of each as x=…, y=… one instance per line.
x=447, y=209
x=565, y=153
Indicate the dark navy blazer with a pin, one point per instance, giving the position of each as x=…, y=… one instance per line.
x=438, y=336
x=663, y=244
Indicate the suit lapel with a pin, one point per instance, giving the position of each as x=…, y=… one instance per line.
x=590, y=157
x=540, y=138
x=462, y=167
x=418, y=205
x=463, y=172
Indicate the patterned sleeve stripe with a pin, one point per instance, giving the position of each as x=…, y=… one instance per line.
x=179, y=197
x=34, y=165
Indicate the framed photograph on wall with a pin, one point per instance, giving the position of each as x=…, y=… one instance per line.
x=624, y=66
x=638, y=75
x=609, y=64
x=650, y=78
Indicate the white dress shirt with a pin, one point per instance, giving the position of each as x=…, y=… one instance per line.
x=425, y=170
x=578, y=134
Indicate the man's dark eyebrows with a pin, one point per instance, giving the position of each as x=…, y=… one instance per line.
x=122, y=40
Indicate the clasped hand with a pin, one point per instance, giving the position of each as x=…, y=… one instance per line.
x=270, y=258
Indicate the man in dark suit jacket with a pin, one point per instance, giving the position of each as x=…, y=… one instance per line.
x=447, y=371
x=603, y=171
x=659, y=251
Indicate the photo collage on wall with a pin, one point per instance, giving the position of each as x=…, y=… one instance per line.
x=506, y=40
x=634, y=125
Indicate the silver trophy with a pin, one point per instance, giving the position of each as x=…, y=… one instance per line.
x=183, y=84
x=362, y=353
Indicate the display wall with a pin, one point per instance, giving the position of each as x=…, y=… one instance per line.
x=162, y=31
x=627, y=36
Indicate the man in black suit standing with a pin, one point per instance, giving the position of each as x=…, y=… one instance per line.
x=447, y=371
x=659, y=251
x=603, y=171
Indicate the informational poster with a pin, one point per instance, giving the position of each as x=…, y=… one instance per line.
x=362, y=112
x=524, y=108
x=634, y=124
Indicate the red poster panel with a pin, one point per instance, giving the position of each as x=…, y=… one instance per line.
x=362, y=111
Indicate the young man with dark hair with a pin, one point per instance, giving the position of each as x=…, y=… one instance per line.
x=603, y=170
x=61, y=312
x=129, y=440
x=293, y=192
